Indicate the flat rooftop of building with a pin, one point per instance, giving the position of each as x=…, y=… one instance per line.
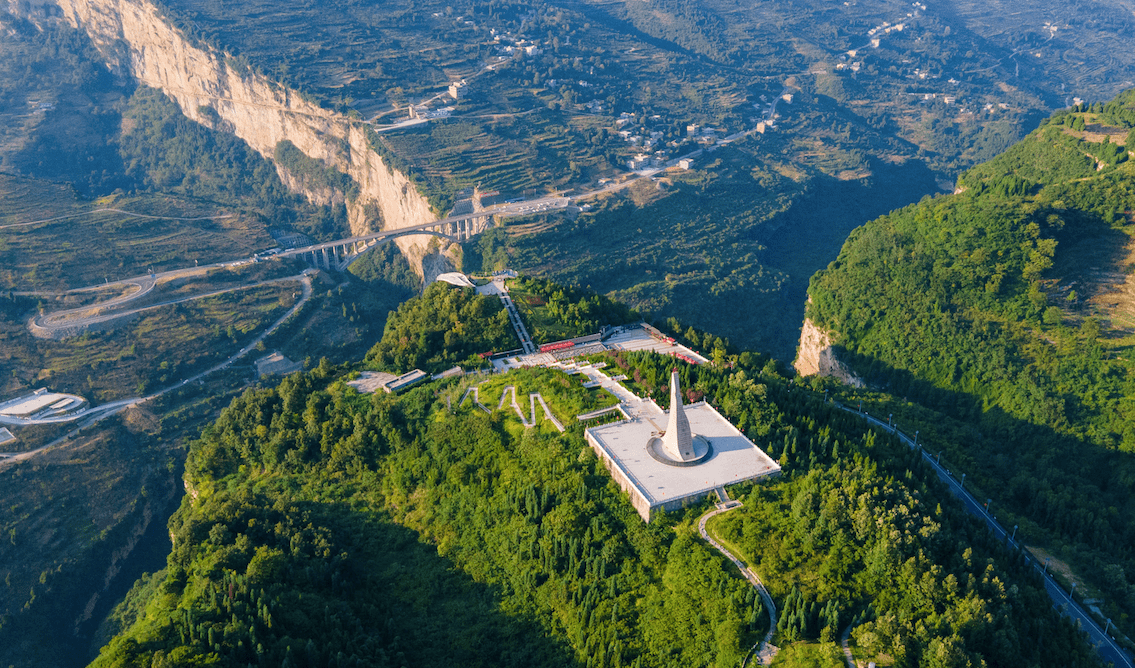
x=734, y=458
x=33, y=403
x=406, y=380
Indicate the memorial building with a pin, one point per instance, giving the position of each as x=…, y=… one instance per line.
x=668, y=460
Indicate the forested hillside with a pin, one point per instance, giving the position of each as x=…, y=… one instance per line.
x=1008, y=305
x=102, y=179
x=327, y=528
x=442, y=328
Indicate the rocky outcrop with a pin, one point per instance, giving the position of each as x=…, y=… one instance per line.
x=211, y=89
x=815, y=355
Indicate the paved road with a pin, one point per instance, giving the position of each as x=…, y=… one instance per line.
x=847, y=655
x=92, y=415
x=142, y=285
x=1108, y=649
x=131, y=214
x=73, y=318
x=765, y=651
x=305, y=279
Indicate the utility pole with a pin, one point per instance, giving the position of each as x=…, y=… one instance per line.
x=963, y=484
x=1014, y=532
x=1046, y=565
x=916, y=438
x=939, y=457
x=1073, y=591
x=1106, y=627
x=889, y=416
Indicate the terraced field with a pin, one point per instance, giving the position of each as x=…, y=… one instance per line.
x=51, y=240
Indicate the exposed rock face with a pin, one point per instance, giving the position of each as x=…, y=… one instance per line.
x=138, y=42
x=816, y=356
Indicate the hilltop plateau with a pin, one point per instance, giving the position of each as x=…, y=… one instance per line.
x=328, y=527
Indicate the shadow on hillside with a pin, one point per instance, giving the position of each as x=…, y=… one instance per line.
x=1073, y=492
x=810, y=235
x=717, y=264
x=72, y=512
x=435, y=613
x=353, y=583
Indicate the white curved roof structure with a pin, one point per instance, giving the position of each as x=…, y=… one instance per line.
x=456, y=278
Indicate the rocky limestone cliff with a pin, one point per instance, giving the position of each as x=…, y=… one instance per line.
x=138, y=42
x=816, y=356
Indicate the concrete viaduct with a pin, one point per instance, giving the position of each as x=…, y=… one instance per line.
x=341, y=253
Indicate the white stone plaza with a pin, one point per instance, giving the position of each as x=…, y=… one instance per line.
x=668, y=460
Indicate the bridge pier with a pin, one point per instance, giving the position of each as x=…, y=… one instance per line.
x=338, y=254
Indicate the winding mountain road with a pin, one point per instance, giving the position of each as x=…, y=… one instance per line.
x=85, y=316
x=130, y=214
x=92, y=415
x=1105, y=645
x=847, y=655
x=764, y=650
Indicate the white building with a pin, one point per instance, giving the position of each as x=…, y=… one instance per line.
x=670, y=468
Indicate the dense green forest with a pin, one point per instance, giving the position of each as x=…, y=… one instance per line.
x=84, y=518
x=553, y=312
x=443, y=328
x=1004, y=306
x=327, y=528
x=844, y=543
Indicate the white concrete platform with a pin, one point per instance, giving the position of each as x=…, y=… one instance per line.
x=371, y=381
x=640, y=339
x=654, y=485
